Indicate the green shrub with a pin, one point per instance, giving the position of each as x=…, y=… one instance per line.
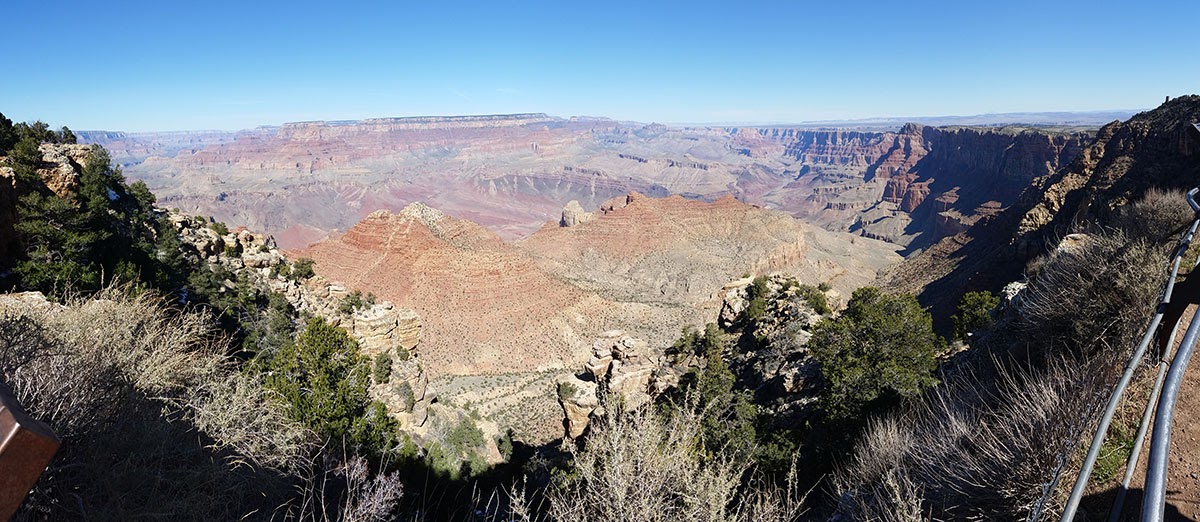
x=756, y=294
x=816, y=299
x=219, y=228
x=465, y=437
x=323, y=380
x=880, y=349
x=383, y=368
x=354, y=301
x=406, y=392
x=302, y=269
x=106, y=230
x=566, y=390
x=728, y=413
x=824, y=286
x=505, y=445
x=974, y=313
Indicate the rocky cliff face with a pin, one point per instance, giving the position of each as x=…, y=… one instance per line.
x=1151, y=149
x=512, y=173
x=501, y=320
x=380, y=328
x=919, y=184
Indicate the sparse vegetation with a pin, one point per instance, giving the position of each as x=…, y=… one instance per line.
x=815, y=298
x=756, y=298
x=643, y=465
x=566, y=390
x=355, y=301
x=302, y=269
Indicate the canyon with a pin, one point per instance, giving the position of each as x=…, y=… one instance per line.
x=501, y=320
x=523, y=240
x=303, y=181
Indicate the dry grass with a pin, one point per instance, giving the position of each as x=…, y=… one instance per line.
x=1092, y=298
x=964, y=456
x=641, y=466
x=154, y=420
x=993, y=442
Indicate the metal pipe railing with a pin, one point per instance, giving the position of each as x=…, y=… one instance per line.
x=1135, y=360
x=1155, y=499
x=1139, y=440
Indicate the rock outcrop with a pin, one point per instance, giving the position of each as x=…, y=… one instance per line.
x=573, y=214
x=619, y=366
x=380, y=328
x=59, y=172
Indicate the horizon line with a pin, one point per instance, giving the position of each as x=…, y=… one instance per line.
x=878, y=120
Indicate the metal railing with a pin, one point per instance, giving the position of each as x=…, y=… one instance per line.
x=1155, y=493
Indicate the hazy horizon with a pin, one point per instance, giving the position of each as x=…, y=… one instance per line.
x=227, y=65
x=986, y=119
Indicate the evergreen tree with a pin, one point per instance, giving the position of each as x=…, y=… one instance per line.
x=323, y=379
x=8, y=135
x=881, y=349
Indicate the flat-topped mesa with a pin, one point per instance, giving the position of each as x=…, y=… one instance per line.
x=419, y=123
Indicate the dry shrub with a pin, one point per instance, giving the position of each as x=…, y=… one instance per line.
x=642, y=465
x=1157, y=216
x=345, y=492
x=1092, y=297
x=963, y=456
x=994, y=441
x=239, y=414
x=152, y=417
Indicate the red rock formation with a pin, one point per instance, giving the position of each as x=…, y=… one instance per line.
x=649, y=267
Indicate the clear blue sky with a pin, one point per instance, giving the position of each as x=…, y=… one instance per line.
x=217, y=64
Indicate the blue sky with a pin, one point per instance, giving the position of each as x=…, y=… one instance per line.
x=216, y=64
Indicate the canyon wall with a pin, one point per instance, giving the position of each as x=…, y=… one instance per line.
x=512, y=173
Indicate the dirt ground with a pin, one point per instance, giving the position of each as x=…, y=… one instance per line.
x=1183, y=470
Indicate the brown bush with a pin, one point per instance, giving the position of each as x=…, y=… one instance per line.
x=996, y=438
x=964, y=456
x=153, y=419
x=644, y=466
